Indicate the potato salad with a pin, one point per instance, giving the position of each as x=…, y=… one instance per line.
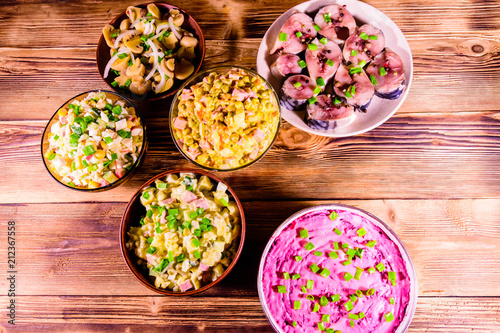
x=187, y=237
x=94, y=141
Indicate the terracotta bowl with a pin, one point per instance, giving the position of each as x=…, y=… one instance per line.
x=45, y=143
x=103, y=54
x=132, y=215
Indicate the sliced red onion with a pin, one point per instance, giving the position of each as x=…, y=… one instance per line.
x=173, y=27
x=120, y=37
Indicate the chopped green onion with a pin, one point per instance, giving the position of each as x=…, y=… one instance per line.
x=195, y=242
x=336, y=245
x=309, y=246
x=127, y=83
x=302, y=64
x=282, y=289
x=382, y=71
x=391, y=276
x=108, y=140
x=354, y=53
x=297, y=84
x=321, y=326
x=371, y=270
x=304, y=290
x=286, y=276
x=151, y=250
x=85, y=163
x=314, y=268
x=323, y=41
x=298, y=258
x=296, y=276
x=318, y=253
x=373, y=80
x=197, y=232
x=186, y=225
x=370, y=292
x=359, y=272
x=331, y=330
x=391, y=300
x=380, y=267
x=389, y=317
x=88, y=150
x=296, y=305
x=162, y=185
x=333, y=216
x=351, y=323
x=363, y=36
x=317, y=27
x=316, y=307
x=303, y=233
x=345, y=245
x=197, y=254
x=294, y=323
x=355, y=70
x=330, y=63
x=170, y=256
x=117, y=110
x=124, y=134
x=56, y=137
x=348, y=305
x=333, y=255
x=158, y=230
x=145, y=195
x=346, y=262
x=150, y=240
x=312, y=47
x=373, y=37
x=327, y=18
x=298, y=34
x=73, y=166
x=320, y=82
x=149, y=213
x=317, y=90
x=51, y=156
x=353, y=298
x=310, y=284
x=361, y=315
x=323, y=300
x=173, y=211
x=325, y=272
x=180, y=258
x=359, y=293
x=347, y=276
x=353, y=316
x=348, y=94
x=114, y=156
x=350, y=252
x=283, y=37
x=337, y=231
x=142, y=221
x=325, y=318
x=223, y=202
x=122, y=55
x=309, y=297
x=362, y=63
x=359, y=253
x=336, y=298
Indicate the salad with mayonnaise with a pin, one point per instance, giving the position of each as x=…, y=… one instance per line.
x=94, y=141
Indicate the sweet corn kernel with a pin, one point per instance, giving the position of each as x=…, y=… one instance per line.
x=104, y=145
x=100, y=154
x=93, y=184
x=130, y=124
x=62, y=112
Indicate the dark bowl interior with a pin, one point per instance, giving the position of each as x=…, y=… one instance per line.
x=128, y=175
x=131, y=217
x=103, y=54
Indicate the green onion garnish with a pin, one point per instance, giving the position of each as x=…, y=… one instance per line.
x=336, y=245
x=108, y=140
x=296, y=305
x=361, y=315
x=180, y=258
x=223, y=202
x=351, y=323
x=162, y=185
x=170, y=256
x=309, y=297
x=391, y=300
x=350, y=252
x=380, y=267
x=321, y=326
x=298, y=34
x=333, y=255
x=348, y=305
x=296, y=276
x=173, y=212
x=359, y=293
x=197, y=232
x=370, y=292
x=360, y=252
x=318, y=253
x=186, y=225
x=347, y=276
x=330, y=63
x=310, y=284
x=325, y=318
x=353, y=316
x=317, y=27
x=282, y=289
x=286, y=276
x=323, y=41
x=336, y=298
x=303, y=289
x=320, y=82
x=361, y=232
x=389, y=317
x=346, y=262
x=336, y=100
x=309, y=246
x=363, y=36
x=317, y=90
x=149, y=213
x=151, y=250
x=323, y=301
x=353, y=298
x=122, y=55
x=359, y=272
x=382, y=71
x=114, y=156
x=88, y=150
x=145, y=195
x=337, y=231
x=85, y=163
x=348, y=94
x=373, y=80
x=297, y=84
x=362, y=63
x=195, y=242
x=283, y=36
x=51, y=156
x=316, y=307
x=371, y=243
x=333, y=216
x=355, y=70
x=345, y=245
x=327, y=18
x=117, y=110
x=391, y=276
x=150, y=240
x=314, y=268
x=294, y=323
x=142, y=221
x=197, y=254
x=371, y=270
x=373, y=37
x=312, y=47
x=298, y=258
x=158, y=230
x=124, y=134
x=325, y=272
x=302, y=64
x=303, y=233
x=354, y=53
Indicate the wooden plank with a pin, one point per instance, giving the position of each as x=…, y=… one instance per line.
x=427, y=155
x=238, y=314
x=73, y=249
x=446, y=65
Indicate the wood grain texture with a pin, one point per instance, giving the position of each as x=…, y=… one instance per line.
x=217, y=314
x=453, y=244
x=410, y=156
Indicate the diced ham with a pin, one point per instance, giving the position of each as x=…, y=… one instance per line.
x=163, y=220
x=63, y=120
x=186, y=285
x=193, y=153
x=188, y=196
x=120, y=173
x=239, y=94
x=251, y=93
x=258, y=135
x=118, y=164
x=254, y=154
x=121, y=124
x=234, y=76
x=201, y=203
x=180, y=123
x=204, y=267
x=203, y=100
x=136, y=131
x=167, y=201
x=151, y=258
x=185, y=97
x=104, y=182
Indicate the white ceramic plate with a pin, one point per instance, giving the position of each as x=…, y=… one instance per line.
x=380, y=109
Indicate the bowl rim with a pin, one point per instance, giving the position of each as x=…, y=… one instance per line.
x=129, y=173
x=412, y=304
x=166, y=94
x=205, y=72
x=126, y=253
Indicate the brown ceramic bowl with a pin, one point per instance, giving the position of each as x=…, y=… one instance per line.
x=132, y=215
x=103, y=53
x=140, y=159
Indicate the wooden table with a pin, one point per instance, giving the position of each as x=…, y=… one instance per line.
x=431, y=172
